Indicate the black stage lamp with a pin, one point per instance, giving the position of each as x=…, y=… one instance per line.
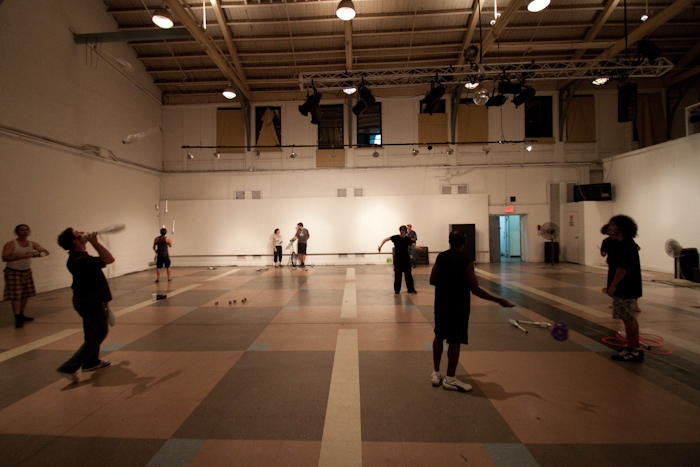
x=525, y=95
x=311, y=103
x=497, y=101
x=432, y=99
x=470, y=53
x=506, y=87
x=365, y=99
x=649, y=50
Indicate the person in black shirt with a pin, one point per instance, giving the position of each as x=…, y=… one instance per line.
x=453, y=277
x=160, y=245
x=626, y=284
x=402, y=260
x=91, y=295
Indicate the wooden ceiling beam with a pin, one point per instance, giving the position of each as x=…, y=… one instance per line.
x=597, y=26
x=228, y=37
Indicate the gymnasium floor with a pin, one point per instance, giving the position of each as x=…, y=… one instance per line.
x=328, y=367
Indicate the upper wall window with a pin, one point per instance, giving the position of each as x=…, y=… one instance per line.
x=268, y=126
x=369, y=126
x=539, y=117
x=330, y=129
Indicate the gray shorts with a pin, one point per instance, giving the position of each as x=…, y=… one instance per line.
x=623, y=308
x=302, y=248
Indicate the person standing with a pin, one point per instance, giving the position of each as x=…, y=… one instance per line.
x=302, y=236
x=625, y=288
x=453, y=277
x=19, y=283
x=91, y=296
x=161, y=245
x=277, y=238
x=402, y=262
x=412, y=249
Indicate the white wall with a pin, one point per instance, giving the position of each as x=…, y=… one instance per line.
x=659, y=187
x=206, y=228
x=65, y=112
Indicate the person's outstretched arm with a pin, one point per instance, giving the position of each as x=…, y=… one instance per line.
x=383, y=242
x=481, y=293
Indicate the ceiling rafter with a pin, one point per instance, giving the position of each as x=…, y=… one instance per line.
x=226, y=32
x=597, y=26
x=506, y=17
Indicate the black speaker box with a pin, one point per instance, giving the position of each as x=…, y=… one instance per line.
x=627, y=102
x=594, y=192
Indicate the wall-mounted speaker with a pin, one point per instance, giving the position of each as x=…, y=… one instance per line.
x=594, y=192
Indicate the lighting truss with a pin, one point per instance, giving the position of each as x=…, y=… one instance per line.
x=484, y=72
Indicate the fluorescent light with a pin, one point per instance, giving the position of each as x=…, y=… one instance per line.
x=346, y=10
x=161, y=18
x=538, y=5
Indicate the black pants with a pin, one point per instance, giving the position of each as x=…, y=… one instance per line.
x=278, y=254
x=95, y=328
x=403, y=269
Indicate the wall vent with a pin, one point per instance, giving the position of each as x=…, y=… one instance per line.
x=359, y=192
x=257, y=194
x=240, y=195
x=241, y=257
x=342, y=192
x=462, y=189
x=343, y=255
x=446, y=190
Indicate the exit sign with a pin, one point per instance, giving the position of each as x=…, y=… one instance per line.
x=510, y=209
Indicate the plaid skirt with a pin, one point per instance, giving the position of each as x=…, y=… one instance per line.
x=18, y=284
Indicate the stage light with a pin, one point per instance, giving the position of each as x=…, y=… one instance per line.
x=349, y=88
x=528, y=148
x=497, y=100
x=190, y=155
x=375, y=154
x=600, y=81
x=365, y=99
x=506, y=87
x=293, y=155
x=311, y=103
x=525, y=95
x=649, y=50
x=229, y=92
x=470, y=53
x=432, y=99
x=415, y=152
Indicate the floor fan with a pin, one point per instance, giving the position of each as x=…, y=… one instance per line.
x=675, y=251
x=549, y=231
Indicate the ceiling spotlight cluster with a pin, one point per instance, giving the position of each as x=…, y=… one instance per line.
x=432, y=98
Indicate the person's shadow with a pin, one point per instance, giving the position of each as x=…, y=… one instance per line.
x=119, y=375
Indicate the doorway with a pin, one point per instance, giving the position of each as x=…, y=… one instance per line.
x=506, y=239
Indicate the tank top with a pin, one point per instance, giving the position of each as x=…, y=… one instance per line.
x=21, y=264
x=162, y=246
x=278, y=240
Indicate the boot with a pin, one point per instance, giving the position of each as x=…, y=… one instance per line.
x=25, y=318
x=19, y=322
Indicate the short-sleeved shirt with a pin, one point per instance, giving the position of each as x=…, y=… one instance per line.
x=302, y=235
x=89, y=283
x=452, y=296
x=412, y=235
x=609, y=247
x=401, y=245
x=627, y=257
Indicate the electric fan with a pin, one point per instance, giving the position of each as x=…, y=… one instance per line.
x=549, y=231
x=675, y=250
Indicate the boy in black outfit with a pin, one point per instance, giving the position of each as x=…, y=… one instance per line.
x=402, y=259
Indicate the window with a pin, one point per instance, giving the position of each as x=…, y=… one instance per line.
x=580, y=120
x=330, y=129
x=268, y=126
x=369, y=126
x=539, y=118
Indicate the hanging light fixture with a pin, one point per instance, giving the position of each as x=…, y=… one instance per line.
x=332, y=154
x=349, y=88
x=217, y=155
x=645, y=16
x=346, y=10
x=229, y=92
x=471, y=85
x=190, y=155
x=528, y=148
x=538, y=5
x=375, y=154
x=600, y=81
x=161, y=18
x=496, y=14
x=415, y=152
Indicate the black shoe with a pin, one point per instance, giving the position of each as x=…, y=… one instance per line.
x=396, y=292
x=26, y=318
x=412, y=291
x=19, y=322
x=627, y=356
x=72, y=377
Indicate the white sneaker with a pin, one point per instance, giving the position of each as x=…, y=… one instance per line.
x=455, y=385
x=436, y=379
